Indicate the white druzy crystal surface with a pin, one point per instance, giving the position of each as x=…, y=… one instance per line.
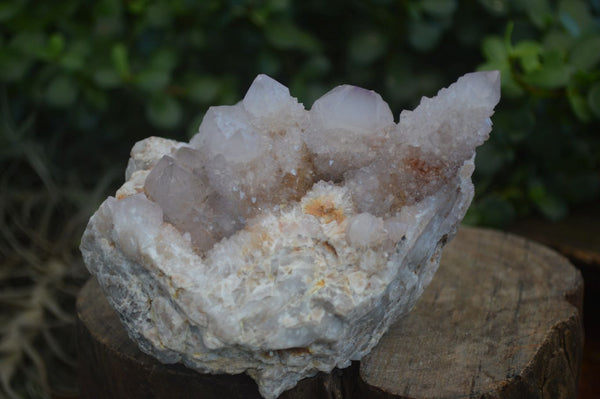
x=281, y=242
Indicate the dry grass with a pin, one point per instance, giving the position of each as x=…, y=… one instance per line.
x=41, y=222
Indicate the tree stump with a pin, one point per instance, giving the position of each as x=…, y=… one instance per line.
x=578, y=238
x=501, y=319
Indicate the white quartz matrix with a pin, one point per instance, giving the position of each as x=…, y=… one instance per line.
x=281, y=242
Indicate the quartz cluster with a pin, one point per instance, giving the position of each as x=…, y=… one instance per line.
x=281, y=242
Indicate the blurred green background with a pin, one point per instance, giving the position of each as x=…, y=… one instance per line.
x=81, y=82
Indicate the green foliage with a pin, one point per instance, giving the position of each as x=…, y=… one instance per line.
x=82, y=81
x=549, y=56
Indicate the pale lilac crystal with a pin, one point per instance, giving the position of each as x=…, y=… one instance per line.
x=282, y=242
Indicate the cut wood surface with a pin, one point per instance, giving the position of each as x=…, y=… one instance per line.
x=578, y=238
x=501, y=319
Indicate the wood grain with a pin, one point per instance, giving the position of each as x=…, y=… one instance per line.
x=501, y=319
x=578, y=238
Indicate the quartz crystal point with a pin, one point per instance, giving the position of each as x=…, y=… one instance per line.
x=281, y=242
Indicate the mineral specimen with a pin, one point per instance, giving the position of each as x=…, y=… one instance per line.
x=281, y=242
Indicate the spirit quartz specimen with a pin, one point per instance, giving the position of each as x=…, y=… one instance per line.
x=281, y=242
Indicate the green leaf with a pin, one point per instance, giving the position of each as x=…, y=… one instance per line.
x=107, y=78
x=61, y=91
x=539, y=12
x=56, y=44
x=526, y=48
x=196, y=38
x=72, y=61
x=510, y=26
x=494, y=49
x=98, y=98
x=530, y=63
x=120, y=60
x=586, y=54
x=164, y=112
x=496, y=7
x=30, y=43
x=558, y=40
x=553, y=207
x=158, y=15
x=528, y=53
x=594, y=99
x=259, y=16
x=510, y=88
x=569, y=24
x=367, y=47
x=553, y=74
x=108, y=8
x=439, y=8
x=137, y=6
x=74, y=57
x=279, y=5
x=204, y=89
x=549, y=205
x=13, y=67
x=576, y=17
x=152, y=80
x=9, y=9
x=286, y=36
x=316, y=67
x=577, y=100
x=164, y=59
x=579, y=105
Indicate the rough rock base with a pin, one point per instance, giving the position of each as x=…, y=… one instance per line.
x=501, y=319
